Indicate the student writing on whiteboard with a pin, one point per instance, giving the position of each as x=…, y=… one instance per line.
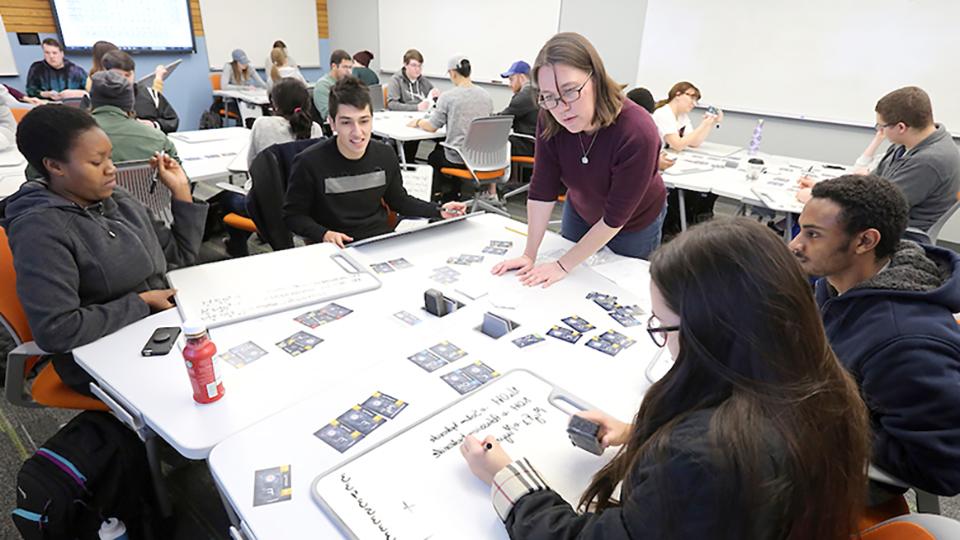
x=408, y=90
x=338, y=187
x=755, y=432
x=55, y=78
x=922, y=159
x=456, y=109
x=341, y=65
x=238, y=74
x=604, y=149
x=88, y=256
x=672, y=116
x=149, y=105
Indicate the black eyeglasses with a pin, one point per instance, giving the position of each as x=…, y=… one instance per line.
x=568, y=96
x=878, y=127
x=657, y=332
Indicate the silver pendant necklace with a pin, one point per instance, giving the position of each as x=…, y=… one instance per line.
x=584, y=159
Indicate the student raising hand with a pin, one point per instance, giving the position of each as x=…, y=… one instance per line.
x=172, y=176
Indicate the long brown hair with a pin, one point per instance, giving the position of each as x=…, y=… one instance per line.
x=572, y=49
x=752, y=347
x=240, y=75
x=278, y=57
x=100, y=48
x=675, y=90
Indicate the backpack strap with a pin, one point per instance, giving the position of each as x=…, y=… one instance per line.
x=64, y=465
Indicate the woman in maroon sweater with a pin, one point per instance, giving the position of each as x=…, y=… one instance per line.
x=604, y=149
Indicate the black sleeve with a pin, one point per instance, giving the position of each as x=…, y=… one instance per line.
x=399, y=200
x=515, y=107
x=166, y=117
x=299, y=199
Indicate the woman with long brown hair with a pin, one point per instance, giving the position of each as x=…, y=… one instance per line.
x=604, y=149
x=755, y=432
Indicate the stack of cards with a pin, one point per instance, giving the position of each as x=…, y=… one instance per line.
x=390, y=266
x=319, y=317
x=564, y=334
x=627, y=315
x=299, y=343
x=437, y=356
x=445, y=275
x=407, y=317
x=606, y=301
x=359, y=421
x=465, y=259
x=610, y=342
x=243, y=354
x=470, y=378
x=498, y=247
x=272, y=485
x=527, y=340
x=578, y=323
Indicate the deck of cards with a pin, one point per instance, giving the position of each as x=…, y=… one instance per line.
x=390, y=266
x=465, y=259
x=470, y=378
x=359, y=421
x=318, y=317
x=445, y=275
x=498, y=247
x=437, y=356
x=610, y=342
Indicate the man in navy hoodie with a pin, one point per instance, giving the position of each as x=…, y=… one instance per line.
x=887, y=308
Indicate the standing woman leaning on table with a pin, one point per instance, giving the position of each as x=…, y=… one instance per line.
x=604, y=149
x=756, y=431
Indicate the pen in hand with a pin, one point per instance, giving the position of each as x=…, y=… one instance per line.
x=156, y=172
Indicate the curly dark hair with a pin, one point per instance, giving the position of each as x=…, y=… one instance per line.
x=868, y=202
x=49, y=131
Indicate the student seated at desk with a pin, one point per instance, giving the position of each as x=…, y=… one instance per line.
x=522, y=107
x=603, y=149
x=456, y=109
x=149, y=104
x=338, y=187
x=281, y=68
x=409, y=90
x=887, y=308
x=112, y=102
x=88, y=257
x=922, y=160
x=238, y=74
x=341, y=65
x=643, y=97
x=755, y=432
x=361, y=68
x=269, y=62
x=672, y=116
x=55, y=78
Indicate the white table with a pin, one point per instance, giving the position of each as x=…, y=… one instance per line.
x=207, y=156
x=614, y=384
x=250, y=101
x=393, y=125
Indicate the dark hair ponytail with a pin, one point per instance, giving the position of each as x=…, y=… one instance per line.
x=292, y=101
x=463, y=68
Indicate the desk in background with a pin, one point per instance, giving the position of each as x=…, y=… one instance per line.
x=393, y=125
x=208, y=155
x=250, y=101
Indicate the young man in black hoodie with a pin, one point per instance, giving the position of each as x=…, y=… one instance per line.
x=336, y=186
x=887, y=308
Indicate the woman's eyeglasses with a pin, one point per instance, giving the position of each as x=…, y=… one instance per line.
x=658, y=332
x=568, y=96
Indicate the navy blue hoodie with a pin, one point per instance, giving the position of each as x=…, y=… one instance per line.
x=897, y=335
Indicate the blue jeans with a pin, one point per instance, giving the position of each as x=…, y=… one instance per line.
x=637, y=244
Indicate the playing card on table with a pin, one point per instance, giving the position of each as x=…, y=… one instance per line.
x=604, y=346
x=312, y=319
x=565, y=334
x=578, y=323
x=427, y=360
x=381, y=268
x=624, y=318
x=232, y=359
x=335, y=310
x=363, y=421
x=448, y=351
x=605, y=301
x=272, y=485
x=527, y=340
x=384, y=405
x=494, y=250
x=444, y=279
x=299, y=343
x=445, y=270
x=407, y=317
x=243, y=354
x=471, y=258
x=461, y=382
x=616, y=337
x=459, y=260
x=400, y=263
x=480, y=372
x=339, y=436
x=501, y=243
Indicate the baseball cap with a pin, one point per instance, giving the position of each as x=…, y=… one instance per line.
x=240, y=57
x=454, y=63
x=517, y=68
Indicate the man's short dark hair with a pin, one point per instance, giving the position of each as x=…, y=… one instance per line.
x=53, y=43
x=118, y=60
x=868, y=202
x=643, y=98
x=349, y=91
x=910, y=105
x=338, y=56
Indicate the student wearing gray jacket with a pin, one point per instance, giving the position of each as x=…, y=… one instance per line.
x=409, y=90
x=89, y=259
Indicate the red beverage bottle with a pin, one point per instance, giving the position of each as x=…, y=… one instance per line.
x=202, y=367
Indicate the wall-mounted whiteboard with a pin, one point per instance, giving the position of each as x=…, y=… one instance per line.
x=253, y=25
x=8, y=67
x=816, y=59
x=492, y=34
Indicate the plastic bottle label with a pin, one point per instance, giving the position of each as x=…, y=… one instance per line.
x=212, y=389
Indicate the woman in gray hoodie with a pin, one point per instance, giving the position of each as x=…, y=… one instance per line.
x=89, y=259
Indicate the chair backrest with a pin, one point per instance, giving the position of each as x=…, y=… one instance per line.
x=269, y=172
x=215, y=81
x=19, y=113
x=487, y=145
x=138, y=178
x=934, y=230
x=914, y=527
x=11, y=312
x=377, y=102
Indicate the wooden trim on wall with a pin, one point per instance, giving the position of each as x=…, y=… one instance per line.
x=27, y=16
x=195, y=16
x=323, y=23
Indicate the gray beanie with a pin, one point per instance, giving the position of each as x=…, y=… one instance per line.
x=111, y=88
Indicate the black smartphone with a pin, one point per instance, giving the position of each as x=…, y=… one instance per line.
x=161, y=342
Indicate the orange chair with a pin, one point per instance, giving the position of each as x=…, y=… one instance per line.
x=47, y=390
x=19, y=113
x=217, y=84
x=384, y=97
x=239, y=222
x=914, y=527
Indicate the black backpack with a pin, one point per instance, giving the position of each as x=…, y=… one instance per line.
x=92, y=469
x=210, y=120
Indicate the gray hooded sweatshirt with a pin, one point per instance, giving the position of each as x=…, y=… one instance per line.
x=79, y=270
x=404, y=95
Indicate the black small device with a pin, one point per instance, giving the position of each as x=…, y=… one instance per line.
x=161, y=342
x=585, y=434
x=28, y=38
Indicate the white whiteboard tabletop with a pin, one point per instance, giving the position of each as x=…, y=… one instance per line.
x=615, y=384
x=207, y=154
x=257, y=96
x=393, y=125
